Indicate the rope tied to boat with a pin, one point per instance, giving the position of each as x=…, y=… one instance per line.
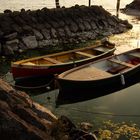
x=121, y=75
x=122, y=79
x=12, y=83
x=35, y=87
x=73, y=61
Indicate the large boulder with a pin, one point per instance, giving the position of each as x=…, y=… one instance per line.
x=23, y=119
x=30, y=42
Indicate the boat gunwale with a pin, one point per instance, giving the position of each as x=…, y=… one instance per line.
x=59, y=53
x=91, y=80
x=62, y=75
x=62, y=64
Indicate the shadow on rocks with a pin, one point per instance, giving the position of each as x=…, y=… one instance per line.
x=64, y=129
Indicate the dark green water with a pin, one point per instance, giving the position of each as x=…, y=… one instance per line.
x=121, y=106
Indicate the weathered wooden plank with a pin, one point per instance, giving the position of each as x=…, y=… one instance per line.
x=122, y=63
x=52, y=60
x=85, y=54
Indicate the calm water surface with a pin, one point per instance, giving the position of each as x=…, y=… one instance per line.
x=119, y=106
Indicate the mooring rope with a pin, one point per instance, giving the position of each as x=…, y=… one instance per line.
x=33, y=87
x=122, y=78
x=102, y=113
x=27, y=87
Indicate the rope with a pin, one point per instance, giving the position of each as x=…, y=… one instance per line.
x=32, y=87
x=26, y=87
x=105, y=114
x=123, y=82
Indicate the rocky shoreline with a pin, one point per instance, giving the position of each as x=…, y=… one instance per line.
x=46, y=28
x=20, y=117
x=133, y=8
x=135, y=5
x=23, y=119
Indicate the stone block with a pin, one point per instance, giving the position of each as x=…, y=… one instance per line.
x=30, y=42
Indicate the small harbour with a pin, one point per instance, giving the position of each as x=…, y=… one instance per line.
x=120, y=106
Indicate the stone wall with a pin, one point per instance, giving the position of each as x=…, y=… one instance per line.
x=20, y=31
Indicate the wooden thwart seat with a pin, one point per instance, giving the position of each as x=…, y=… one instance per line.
x=116, y=70
x=122, y=63
x=29, y=63
x=84, y=54
x=52, y=60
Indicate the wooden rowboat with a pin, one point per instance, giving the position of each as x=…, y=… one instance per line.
x=99, y=78
x=48, y=65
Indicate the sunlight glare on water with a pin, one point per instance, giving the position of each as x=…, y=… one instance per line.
x=38, y=4
x=124, y=41
x=130, y=39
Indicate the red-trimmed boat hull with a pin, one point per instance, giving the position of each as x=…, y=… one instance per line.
x=27, y=71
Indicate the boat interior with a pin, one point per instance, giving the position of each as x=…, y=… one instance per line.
x=70, y=56
x=105, y=68
x=120, y=63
